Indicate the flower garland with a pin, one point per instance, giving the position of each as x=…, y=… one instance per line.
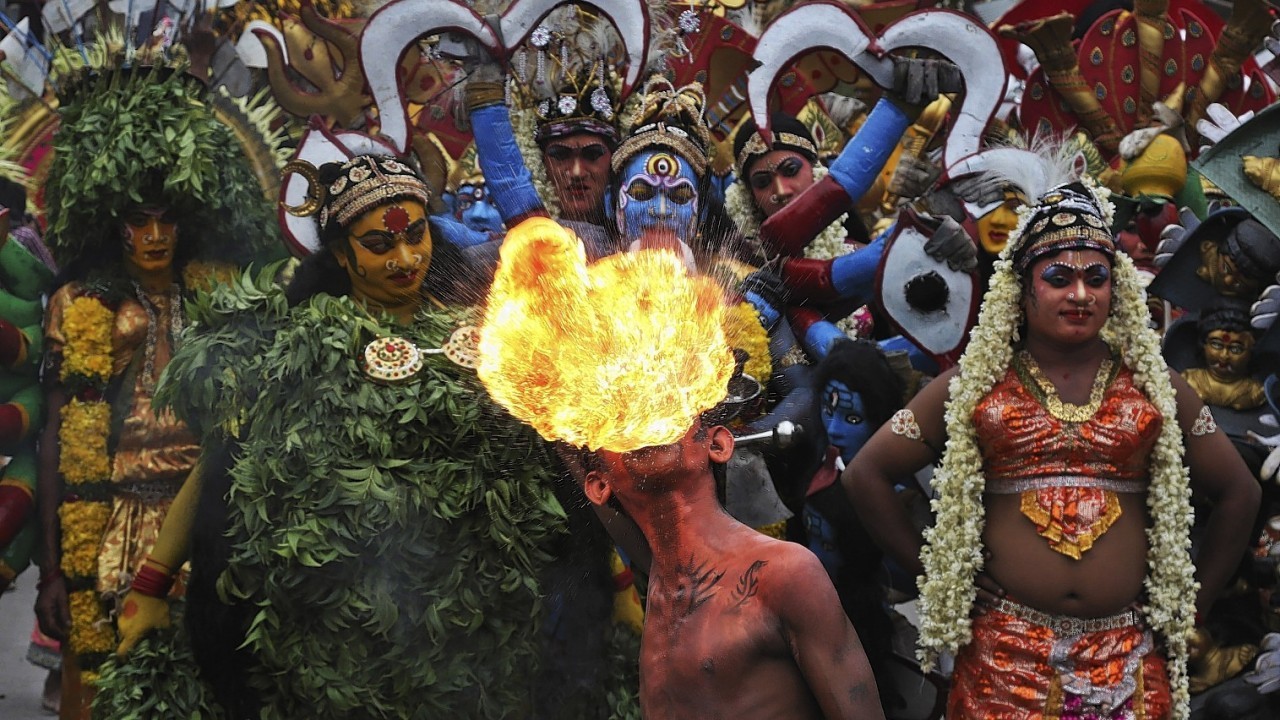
x=952, y=555
x=743, y=331
x=85, y=464
x=827, y=245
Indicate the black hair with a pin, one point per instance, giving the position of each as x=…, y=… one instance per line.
x=861, y=366
x=1225, y=313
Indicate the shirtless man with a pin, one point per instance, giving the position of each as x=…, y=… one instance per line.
x=738, y=625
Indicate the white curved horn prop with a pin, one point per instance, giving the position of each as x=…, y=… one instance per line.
x=973, y=49
x=629, y=17
x=802, y=30
x=389, y=34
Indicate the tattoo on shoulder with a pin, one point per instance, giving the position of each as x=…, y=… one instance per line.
x=749, y=583
x=696, y=584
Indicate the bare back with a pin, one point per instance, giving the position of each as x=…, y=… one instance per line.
x=751, y=629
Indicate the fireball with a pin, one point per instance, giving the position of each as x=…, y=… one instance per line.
x=619, y=355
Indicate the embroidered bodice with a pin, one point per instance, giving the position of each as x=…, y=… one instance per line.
x=1023, y=446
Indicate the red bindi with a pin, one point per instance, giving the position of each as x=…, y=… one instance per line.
x=395, y=219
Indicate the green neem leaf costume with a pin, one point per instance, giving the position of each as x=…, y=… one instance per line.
x=386, y=539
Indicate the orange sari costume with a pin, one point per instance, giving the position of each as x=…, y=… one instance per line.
x=1023, y=663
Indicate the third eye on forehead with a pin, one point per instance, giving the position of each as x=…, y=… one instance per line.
x=591, y=153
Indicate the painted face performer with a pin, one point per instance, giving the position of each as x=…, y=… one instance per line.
x=1064, y=500
x=148, y=190
x=577, y=134
x=455, y=583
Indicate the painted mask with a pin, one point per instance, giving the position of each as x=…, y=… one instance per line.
x=658, y=204
x=473, y=206
x=388, y=252
x=844, y=415
x=150, y=238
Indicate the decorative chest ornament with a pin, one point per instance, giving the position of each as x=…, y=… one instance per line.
x=391, y=359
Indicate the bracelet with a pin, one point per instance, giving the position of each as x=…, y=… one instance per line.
x=152, y=583
x=159, y=565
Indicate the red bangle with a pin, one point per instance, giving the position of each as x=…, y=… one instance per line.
x=158, y=564
x=152, y=582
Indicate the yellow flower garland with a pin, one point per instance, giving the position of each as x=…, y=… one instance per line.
x=82, y=526
x=84, y=462
x=87, y=324
x=743, y=330
x=91, y=630
x=83, y=439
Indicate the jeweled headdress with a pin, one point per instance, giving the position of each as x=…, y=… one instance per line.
x=363, y=182
x=585, y=103
x=1068, y=216
x=672, y=118
x=788, y=134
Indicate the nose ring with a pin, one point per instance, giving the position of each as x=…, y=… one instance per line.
x=392, y=265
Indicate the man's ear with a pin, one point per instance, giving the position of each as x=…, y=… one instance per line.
x=597, y=488
x=721, y=447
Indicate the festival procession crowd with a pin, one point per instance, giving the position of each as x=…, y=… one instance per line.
x=557, y=359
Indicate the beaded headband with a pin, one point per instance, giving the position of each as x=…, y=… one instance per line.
x=781, y=141
x=1065, y=217
x=365, y=182
x=672, y=118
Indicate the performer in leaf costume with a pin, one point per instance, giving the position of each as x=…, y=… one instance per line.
x=375, y=522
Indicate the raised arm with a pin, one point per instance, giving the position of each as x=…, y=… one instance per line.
x=911, y=440
x=793, y=227
x=1219, y=475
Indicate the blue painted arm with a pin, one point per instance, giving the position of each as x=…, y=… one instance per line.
x=854, y=275
x=457, y=233
x=505, y=175
x=864, y=156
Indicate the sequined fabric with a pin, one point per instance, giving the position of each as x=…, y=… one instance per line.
x=1014, y=669
x=1022, y=443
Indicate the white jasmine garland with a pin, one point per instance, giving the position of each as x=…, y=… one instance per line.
x=952, y=556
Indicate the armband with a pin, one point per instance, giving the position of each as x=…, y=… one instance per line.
x=1204, y=424
x=152, y=582
x=904, y=423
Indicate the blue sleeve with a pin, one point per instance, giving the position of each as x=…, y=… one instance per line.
x=864, y=156
x=819, y=338
x=505, y=175
x=457, y=233
x=854, y=275
x=920, y=360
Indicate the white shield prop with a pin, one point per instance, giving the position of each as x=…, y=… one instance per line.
x=932, y=305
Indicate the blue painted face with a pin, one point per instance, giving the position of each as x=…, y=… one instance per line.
x=659, y=197
x=844, y=415
x=473, y=206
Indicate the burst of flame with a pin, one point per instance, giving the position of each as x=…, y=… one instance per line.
x=620, y=355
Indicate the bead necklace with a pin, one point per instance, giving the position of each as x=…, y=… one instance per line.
x=153, y=324
x=1048, y=394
